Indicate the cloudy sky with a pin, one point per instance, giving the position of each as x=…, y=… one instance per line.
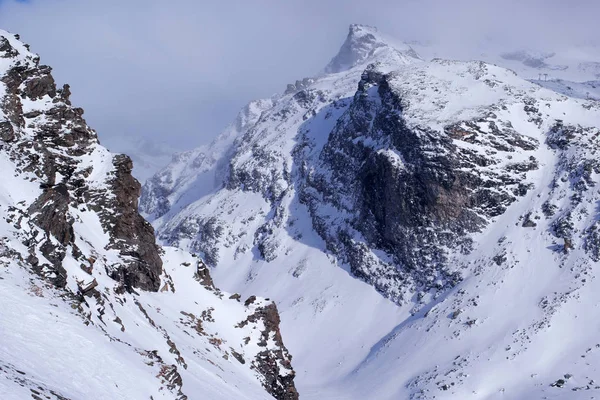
x=179, y=70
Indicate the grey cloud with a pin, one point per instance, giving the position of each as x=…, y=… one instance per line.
x=178, y=71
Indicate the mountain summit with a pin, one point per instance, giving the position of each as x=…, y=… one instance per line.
x=428, y=229
x=362, y=43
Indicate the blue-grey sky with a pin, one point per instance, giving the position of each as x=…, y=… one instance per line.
x=179, y=70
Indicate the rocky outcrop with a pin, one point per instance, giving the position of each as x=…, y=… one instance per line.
x=70, y=216
x=397, y=172
x=131, y=234
x=52, y=216
x=49, y=138
x=7, y=132
x=203, y=276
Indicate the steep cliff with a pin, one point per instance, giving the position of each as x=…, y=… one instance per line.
x=92, y=306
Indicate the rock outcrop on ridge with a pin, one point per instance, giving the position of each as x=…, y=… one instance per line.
x=83, y=279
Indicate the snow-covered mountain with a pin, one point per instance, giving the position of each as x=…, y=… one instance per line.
x=428, y=229
x=91, y=307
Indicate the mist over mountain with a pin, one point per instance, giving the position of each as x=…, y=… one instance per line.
x=226, y=54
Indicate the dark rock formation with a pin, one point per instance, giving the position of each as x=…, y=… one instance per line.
x=48, y=143
x=203, y=276
x=410, y=191
x=273, y=364
x=7, y=132
x=131, y=234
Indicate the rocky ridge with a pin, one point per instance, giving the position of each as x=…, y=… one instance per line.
x=74, y=249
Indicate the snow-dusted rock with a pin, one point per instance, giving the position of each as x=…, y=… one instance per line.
x=91, y=306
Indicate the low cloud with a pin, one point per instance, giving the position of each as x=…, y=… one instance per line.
x=178, y=71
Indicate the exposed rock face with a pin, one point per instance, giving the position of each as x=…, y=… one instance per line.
x=69, y=214
x=415, y=178
x=132, y=235
x=399, y=164
x=203, y=276
x=50, y=139
x=7, y=132
x=414, y=190
x=51, y=214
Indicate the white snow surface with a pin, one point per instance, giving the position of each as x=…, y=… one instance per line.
x=506, y=331
x=46, y=345
x=582, y=90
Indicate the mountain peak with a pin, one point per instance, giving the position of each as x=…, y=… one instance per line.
x=360, y=30
x=361, y=44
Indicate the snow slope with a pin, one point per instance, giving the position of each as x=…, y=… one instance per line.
x=490, y=294
x=123, y=347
